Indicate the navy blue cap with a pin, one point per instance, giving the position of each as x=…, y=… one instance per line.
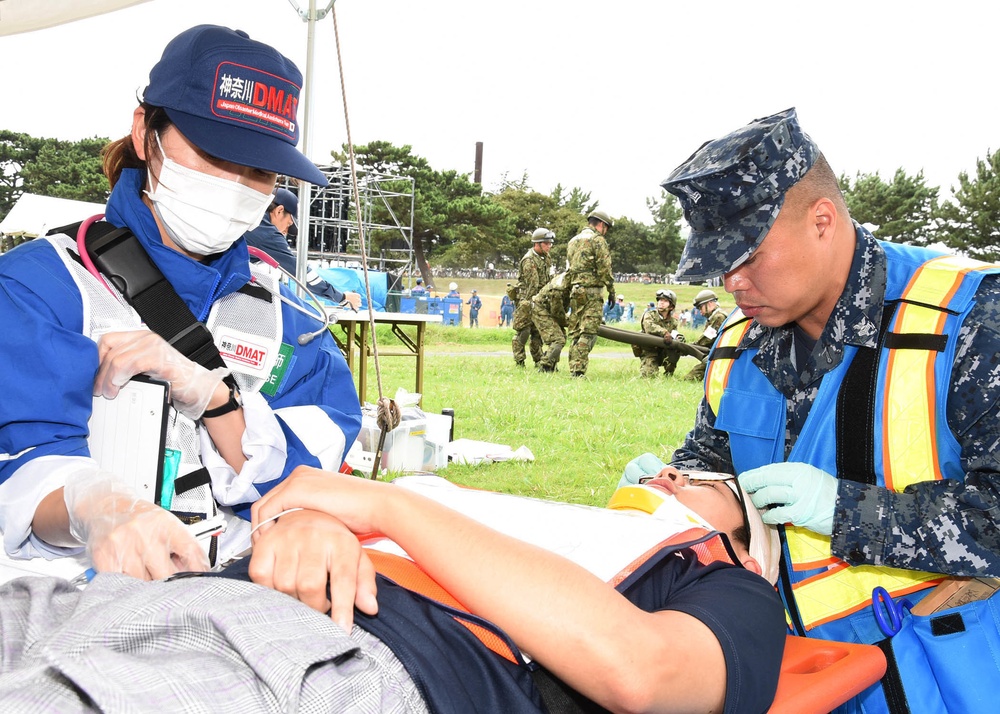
x=731, y=190
x=289, y=201
x=234, y=98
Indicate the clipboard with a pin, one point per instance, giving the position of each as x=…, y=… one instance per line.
x=128, y=434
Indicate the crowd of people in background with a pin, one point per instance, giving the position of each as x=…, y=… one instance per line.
x=441, y=273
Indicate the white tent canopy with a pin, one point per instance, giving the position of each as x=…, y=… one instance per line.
x=27, y=15
x=32, y=215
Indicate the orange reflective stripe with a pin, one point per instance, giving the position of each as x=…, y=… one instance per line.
x=719, y=369
x=808, y=550
x=909, y=436
x=409, y=575
x=937, y=280
x=843, y=590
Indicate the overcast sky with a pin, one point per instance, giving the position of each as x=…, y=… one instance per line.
x=608, y=96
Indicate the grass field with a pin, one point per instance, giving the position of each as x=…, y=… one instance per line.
x=581, y=432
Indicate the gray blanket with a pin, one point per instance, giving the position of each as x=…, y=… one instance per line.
x=192, y=645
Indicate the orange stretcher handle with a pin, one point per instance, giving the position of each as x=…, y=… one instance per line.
x=819, y=675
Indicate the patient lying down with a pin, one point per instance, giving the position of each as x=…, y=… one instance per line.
x=673, y=633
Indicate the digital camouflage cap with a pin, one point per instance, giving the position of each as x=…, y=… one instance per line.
x=732, y=188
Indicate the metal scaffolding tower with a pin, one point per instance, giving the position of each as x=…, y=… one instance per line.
x=386, y=204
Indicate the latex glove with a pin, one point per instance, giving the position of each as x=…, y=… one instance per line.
x=126, y=534
x=316, y=559
x=126, y=354
x=795, y=493
x=640, y=467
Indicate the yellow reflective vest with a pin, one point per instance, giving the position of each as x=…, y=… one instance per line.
x=911, y=440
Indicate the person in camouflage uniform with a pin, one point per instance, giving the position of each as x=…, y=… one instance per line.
x=814, y=406
x=660, y=321
x=589, y=271
x=532, y=273
x=707, y=303
x=548, y=312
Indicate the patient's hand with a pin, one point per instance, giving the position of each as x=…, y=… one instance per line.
x=315, y=558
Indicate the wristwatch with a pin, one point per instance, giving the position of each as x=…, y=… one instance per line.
x=234, y=403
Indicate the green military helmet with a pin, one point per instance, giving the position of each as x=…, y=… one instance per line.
x=543, y=235
x=601, y=216
x=668, y=295
x=703, y=297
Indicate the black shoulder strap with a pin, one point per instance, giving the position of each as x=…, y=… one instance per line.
x=856, y=410
x=121, y=259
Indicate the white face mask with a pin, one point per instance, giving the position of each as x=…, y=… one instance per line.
x=204, y=214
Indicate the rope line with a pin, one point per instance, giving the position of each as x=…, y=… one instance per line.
x=388, y=412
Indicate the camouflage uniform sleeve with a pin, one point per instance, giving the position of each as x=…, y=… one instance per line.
x=942, y=526
x=522, y=273
x=705, y=448
x=602, y=260
x=529, y=281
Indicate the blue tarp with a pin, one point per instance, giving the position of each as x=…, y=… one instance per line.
x=351, y=280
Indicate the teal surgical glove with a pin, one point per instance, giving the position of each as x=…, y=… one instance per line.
x=795, y=493
x=641, y=466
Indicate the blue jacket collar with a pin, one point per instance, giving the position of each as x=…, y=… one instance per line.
x=198, y=284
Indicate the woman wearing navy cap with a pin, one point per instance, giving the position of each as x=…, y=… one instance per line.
x=216, y=124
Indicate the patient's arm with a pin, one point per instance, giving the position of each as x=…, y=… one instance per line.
x=574, y=624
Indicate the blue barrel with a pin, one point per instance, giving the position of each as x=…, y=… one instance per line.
x=452, y=311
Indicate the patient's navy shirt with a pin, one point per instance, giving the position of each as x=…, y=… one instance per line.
x=457, y=674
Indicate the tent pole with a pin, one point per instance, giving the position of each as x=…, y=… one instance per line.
x=305, y=189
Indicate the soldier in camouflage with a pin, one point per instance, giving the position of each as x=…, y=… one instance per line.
x=589, y=272
x=707, y=303
x=548, y=312
x=821, y=303
x=660, y=321
x=532, y=273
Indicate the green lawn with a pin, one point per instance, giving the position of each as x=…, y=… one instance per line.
x=581, y=432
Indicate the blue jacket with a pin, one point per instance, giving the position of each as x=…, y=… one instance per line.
x=47, y=397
